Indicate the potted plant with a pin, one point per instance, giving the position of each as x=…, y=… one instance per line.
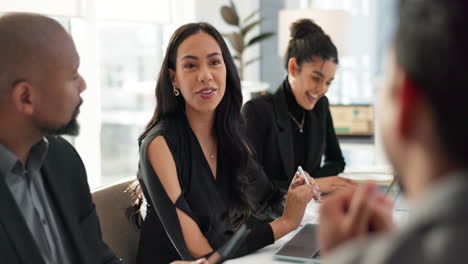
x=239, y=38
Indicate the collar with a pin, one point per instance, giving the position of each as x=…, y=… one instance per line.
x=38, y=154
x=10, y=162
x=293, y=107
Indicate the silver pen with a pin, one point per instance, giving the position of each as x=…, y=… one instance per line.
x=301, y=172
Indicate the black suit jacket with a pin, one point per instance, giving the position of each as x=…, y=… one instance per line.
x=269, y=132
x=66, y=182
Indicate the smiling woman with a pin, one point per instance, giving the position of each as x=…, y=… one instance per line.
x=294, y=125
x=196, y=170
x=200, y=75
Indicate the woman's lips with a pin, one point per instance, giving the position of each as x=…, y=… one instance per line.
x=207, y=93
x=312, y=98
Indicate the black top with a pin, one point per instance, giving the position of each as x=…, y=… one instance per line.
x=297, y=116
x=203, y=198
x=279, y=148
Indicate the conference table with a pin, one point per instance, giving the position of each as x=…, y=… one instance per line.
x=266, y=255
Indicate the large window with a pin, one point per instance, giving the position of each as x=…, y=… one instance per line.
x=129, y=56
x=131, y=38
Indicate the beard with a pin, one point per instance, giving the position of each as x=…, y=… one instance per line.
x=72, y=128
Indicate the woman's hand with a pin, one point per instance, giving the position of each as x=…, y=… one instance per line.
x=296, y=201
x=298, y=180
x=334, y=183
x=297, y=198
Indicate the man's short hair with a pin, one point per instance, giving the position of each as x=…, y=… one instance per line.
x=24, y=45
x=432, y=48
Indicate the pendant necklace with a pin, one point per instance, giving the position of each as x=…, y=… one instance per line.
x=301, y=124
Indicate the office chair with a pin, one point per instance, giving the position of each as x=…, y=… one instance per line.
x=117, y=231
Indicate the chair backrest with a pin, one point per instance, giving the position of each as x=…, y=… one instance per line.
x=117, y=231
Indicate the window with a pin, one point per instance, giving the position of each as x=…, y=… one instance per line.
x=131, y=38
x=129, y=56
x=121, y=44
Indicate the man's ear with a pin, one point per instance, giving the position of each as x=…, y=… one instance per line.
x=22, y=97
x=409, y=98
x=292, y=67
x=172, y=75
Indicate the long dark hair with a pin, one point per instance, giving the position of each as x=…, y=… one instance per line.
x=228, y=123
x=309, y=41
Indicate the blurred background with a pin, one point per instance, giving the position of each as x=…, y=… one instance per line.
x=122, y=43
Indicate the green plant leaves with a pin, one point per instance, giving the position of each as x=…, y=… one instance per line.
x=247, y=18
x=252, y=61
x=250, y=26
x=237, y=41
x=229, y=15
x=260, y=38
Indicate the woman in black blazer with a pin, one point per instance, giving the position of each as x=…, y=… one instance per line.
x=293, y=127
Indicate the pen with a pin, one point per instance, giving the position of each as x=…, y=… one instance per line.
x=301, y=172
x=389, y=188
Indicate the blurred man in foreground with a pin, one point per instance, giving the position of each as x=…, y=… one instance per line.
x=424, y=121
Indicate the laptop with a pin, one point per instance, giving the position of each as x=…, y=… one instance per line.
x=304, y=246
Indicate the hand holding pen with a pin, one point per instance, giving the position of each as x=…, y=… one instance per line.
x=299, y=180
x=309, y=180
x=295, y=203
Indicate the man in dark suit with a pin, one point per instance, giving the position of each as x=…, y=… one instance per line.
x=47, y=215
x=424, y=122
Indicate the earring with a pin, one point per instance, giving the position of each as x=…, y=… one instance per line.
x=176, y=91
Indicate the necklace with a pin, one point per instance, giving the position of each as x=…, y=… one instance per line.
x=212, y=154
x=300, y=125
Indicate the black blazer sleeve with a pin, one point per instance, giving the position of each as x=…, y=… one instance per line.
x=264, y=196
x=62, y=160
x=256, y=128
x=265, y=200
x=334, y=160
